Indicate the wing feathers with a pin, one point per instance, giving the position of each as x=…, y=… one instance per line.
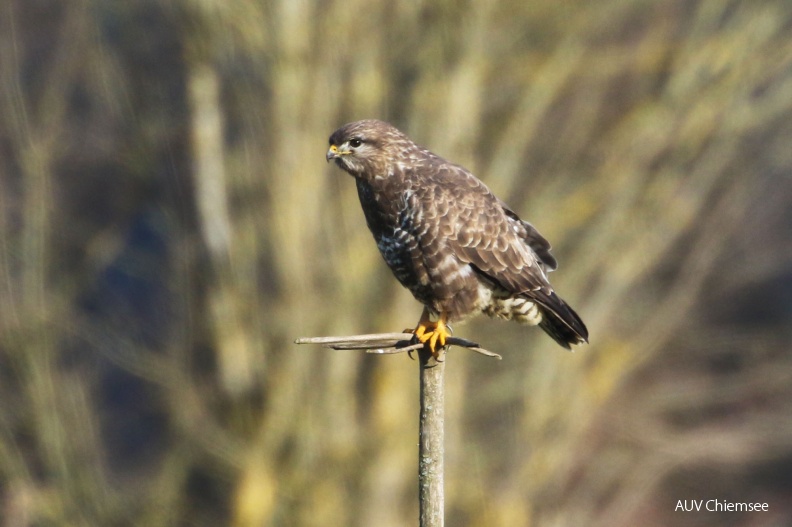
x=468, y=225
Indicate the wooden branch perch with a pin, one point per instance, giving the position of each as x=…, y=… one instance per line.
x=431, y=441
x=432, y=417
x=387, y=343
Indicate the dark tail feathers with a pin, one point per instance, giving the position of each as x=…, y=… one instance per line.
x=562, y=323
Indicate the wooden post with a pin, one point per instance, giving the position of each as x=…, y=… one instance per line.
x=431, y=435
x=431, y=498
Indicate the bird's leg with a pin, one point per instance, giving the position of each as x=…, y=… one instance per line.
x=432, y=332
x=424, y=324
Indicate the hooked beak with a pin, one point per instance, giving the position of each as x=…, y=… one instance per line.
x=333, y=153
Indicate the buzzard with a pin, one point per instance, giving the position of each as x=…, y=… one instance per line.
x=458, y=248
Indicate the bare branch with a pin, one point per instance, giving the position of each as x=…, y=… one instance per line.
x=431, y=434
x=388, y=343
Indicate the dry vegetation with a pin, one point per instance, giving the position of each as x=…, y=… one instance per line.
x=168, y=226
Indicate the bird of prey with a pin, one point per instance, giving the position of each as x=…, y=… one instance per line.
x=459, y=249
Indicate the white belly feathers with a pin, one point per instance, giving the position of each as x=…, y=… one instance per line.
x=497, y=303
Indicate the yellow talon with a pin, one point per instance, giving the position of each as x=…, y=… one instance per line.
x=432, y=332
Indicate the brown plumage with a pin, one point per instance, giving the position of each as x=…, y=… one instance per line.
x=458, y=248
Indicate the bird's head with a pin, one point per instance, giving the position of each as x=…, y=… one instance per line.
x=362, y=148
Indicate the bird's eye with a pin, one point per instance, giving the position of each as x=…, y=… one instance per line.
x=354, y=143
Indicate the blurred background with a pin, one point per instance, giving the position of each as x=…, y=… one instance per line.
x=168, y=227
